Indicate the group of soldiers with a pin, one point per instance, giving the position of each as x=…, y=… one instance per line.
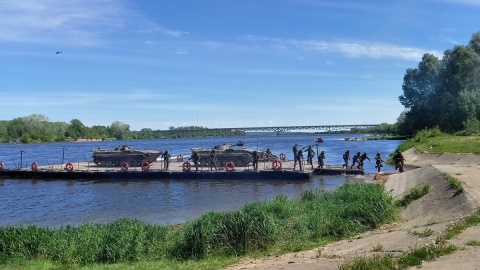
x=358, y=159
x=195, y=158
x=212, y=159
x=298, y=156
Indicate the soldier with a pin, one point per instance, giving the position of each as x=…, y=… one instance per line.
x=321, y=157
x=195, y=158
x=255, y=158
x=213, y=160
x=355, y=159
x=378, y=162
x=362, y=160
x=346, y=157
x=310, y=154
x=295, y=151
x=299, y=159
x=166, y=159
x=398, y=159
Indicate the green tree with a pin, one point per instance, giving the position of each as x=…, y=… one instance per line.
x=76, y=129
x=475, y=43
x=99, y=132
x=3, y=131
x=458, y=75
x=443, y=92
x=419, y=88
x=119, y=130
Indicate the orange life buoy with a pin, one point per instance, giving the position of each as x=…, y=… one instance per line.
x=186, y=166
x=277, y=165
x=180, y=157
x=124, y=166
x=229, y=166
x=145, y=166
x=266, y=157
x=69, y=167
x=34, y=166
x=2, y=166
x=283, y=156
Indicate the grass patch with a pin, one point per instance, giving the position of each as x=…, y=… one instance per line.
x=461, y=225
x=415, y=257
x=377, y=248
x=455, y=184
x=377, y=262
x=429, y=252
x=473, y=243
x=426, y=233
x=210, y=242
x=415, y=194
x=434, y=141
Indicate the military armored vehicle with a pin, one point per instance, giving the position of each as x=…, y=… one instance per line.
x=241, y=157
x=123, y=153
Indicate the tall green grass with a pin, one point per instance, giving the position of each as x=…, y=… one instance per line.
x=434, y=141
x=415, y=194
x=455, y=184
x=278, y=225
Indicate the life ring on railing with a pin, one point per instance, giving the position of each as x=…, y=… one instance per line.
x=229, y=166
x=277, y=165
x=283, y=157
x=2, y=166
x=266, y=157
x=186, y=166
x=124, y=166
x=180, y=157
x=69, y=167
x=34, y=166
x=145, y=166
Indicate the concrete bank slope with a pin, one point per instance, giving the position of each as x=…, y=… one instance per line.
x=441, y=207
x=435, y=211
x=441, y=203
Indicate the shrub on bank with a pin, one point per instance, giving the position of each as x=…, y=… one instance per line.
x=281, y=224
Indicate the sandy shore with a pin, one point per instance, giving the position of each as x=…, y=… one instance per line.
x=435, y=211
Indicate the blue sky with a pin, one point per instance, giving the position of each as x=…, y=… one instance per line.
x=219, y=63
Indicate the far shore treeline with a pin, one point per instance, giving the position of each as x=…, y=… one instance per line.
x=440, y=93
x=36, y=128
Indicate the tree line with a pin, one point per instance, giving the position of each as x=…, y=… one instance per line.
x=443, y=93
x=37, y=128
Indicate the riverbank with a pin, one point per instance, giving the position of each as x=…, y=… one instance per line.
x=434, y=212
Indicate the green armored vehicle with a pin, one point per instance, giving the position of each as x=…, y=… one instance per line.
x=241, y=157
x=123, y=153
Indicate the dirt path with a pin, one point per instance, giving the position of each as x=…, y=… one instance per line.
x=435, y=211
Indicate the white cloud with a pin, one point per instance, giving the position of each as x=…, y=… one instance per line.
x=79, y=22
x=463, y=2
x=369, y=50
x=346, y=48
x=83, y=98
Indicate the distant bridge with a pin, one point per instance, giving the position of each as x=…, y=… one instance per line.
x=325, y=128
x=289, y=128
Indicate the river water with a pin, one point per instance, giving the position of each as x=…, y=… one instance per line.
x=57, y=203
